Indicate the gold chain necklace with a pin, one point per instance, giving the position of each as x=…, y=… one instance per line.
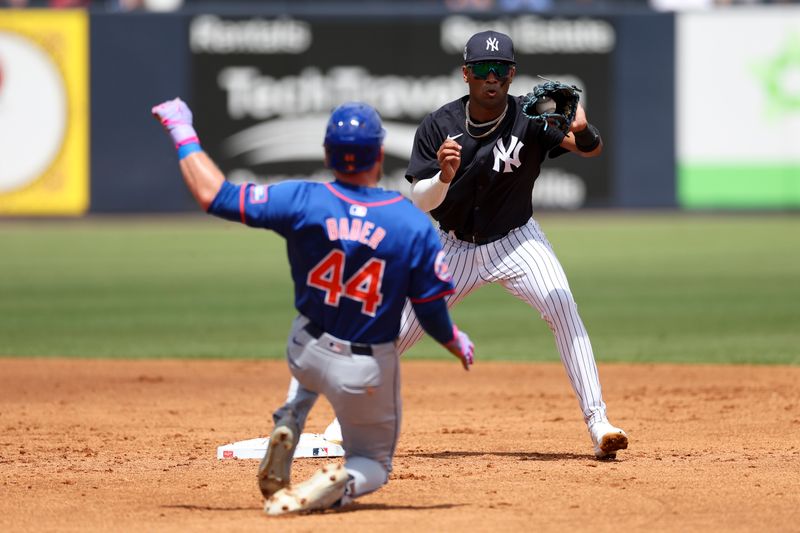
x=494, y=122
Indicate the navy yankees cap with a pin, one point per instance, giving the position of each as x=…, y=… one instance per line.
x=489, y=46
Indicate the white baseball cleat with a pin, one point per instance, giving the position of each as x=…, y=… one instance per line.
x=275, y=469
x=333, y=433
x=607, y=440
x=320, y=491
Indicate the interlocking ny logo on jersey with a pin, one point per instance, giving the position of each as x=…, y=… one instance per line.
x=492, y=44
x=501, y=154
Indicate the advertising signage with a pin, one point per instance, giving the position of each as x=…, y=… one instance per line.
x=264, y=89
x=750, y=158
x=44, y=112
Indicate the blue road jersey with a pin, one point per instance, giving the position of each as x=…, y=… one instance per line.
x=356, y=253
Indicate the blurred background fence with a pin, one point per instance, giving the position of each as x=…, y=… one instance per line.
x=699, y=108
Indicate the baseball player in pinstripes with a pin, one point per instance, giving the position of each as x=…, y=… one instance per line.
x=472, y=167
x=344, y=239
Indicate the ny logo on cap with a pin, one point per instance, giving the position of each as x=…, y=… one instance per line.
x=492, y=44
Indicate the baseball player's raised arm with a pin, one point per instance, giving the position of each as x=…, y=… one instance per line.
x=202, y=176
x=200, y=173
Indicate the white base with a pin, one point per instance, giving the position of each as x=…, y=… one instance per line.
x=310, y=445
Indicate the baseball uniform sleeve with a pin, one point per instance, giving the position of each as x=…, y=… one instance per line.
x=430, y=275
x=260, y=206
x=431, y=281
x=435, y=319
x=550, y=137
x=423, y=163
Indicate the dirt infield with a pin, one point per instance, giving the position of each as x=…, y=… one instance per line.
x=130, y=446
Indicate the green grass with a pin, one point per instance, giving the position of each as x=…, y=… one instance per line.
x=650, y=287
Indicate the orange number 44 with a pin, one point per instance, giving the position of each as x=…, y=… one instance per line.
x=364, y=286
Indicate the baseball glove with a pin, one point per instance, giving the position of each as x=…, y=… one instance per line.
x=553, y=103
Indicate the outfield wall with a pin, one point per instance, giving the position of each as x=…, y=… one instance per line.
x=262, y=85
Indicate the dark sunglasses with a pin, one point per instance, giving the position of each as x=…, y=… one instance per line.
x=481, y=70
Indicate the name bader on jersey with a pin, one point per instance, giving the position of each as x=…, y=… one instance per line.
x=344, y=229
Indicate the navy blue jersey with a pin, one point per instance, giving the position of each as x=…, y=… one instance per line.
x=491, y=191
x=356, y=253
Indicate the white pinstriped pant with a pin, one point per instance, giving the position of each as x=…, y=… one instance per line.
x=524, y=263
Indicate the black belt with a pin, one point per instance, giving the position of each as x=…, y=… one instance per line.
x=357, y=348
x=478, y=239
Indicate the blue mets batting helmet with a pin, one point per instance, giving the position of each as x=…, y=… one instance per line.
x=353, y=138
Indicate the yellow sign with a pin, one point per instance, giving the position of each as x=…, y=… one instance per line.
x=44, y=112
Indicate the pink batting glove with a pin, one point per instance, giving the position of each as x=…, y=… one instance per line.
x=176, y=117
x=461, y=347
